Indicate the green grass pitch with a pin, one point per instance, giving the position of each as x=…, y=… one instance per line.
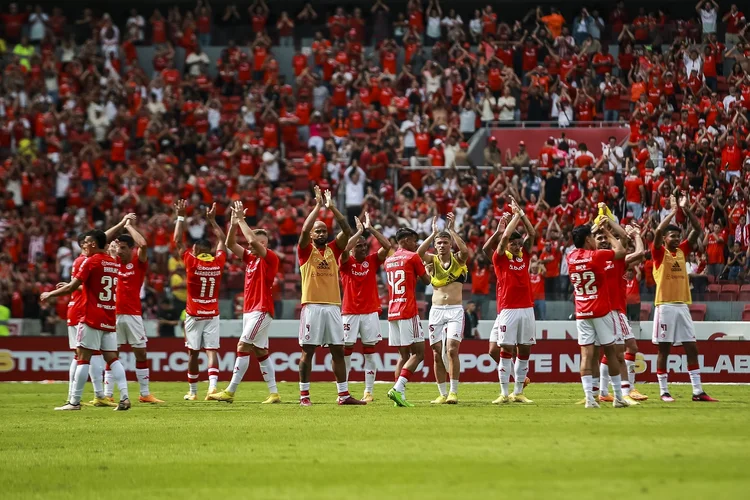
x=207, y=450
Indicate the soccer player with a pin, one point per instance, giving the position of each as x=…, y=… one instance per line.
x=360, y=309
x=203, y=270
x=403, y=268
x=75, y=315
x=673, y=324
x=320, y=319
x=261, y=266
x=515, y=326
x=616, y=286
x=130, y=329
x=594, y=319
x=97, y=330
x=446, y=322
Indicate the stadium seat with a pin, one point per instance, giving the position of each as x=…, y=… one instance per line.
x=698, y=312
x=746, y=313
x=646, y=309
x=744, y=296
x=713, y=292
x=730, y=288
x=745, y=288
x=729, y=293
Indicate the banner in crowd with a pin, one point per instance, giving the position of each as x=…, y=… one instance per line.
x=39, y=358
x=535, y=138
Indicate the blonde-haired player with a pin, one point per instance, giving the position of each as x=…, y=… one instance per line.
x=446, y=321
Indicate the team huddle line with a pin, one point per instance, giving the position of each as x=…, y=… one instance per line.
x=105, y=310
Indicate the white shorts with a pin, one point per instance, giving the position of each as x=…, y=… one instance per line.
x=446, y=322
x=596, y=331
x=623, y=331
x=95, y=340
x=130, y=331
x=366, y=326
x=320, y=324
x=72, y=336
x=255, y=326
x=405, y=332
x=201, y=333
x=514, y=327
x=673, y=324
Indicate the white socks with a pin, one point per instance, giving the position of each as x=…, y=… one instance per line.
x=118, y=374
x=240, y=368
x=82, y=374
x=617, y=386
x=343, y=389
x=604, y=378
x=504, y=368
x=96, y=368
x=269, y=375
x=587, y=383
x=520, y=370
x=370, y=372
x=630, y=366
x=663, y=387
x=400, y=384
x=213, y=378
x=193, y=382
x=142, y=375
x=454, y=386
x=72, y=377
x=695, y=381
x=443, y=388
x=304, y=390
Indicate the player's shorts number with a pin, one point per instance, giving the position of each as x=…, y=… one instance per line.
x=208, y=283
x=347, y=327
x=108, y=294
x=396, y=280
x=583, y=284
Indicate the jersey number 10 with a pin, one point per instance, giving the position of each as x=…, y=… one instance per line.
x=396, y=281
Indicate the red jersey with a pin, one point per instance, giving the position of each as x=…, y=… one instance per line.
x=632, y=291
x=616, y=281
x=98, y=274
x=259, y=276
x=537, y=286
x=129, y=283
x=75, y=305
x=403, y=268
x=360, y=285
x=588, y=277
x=513, y=273
x=203, y=280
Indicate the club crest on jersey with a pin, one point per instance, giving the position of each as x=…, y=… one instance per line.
x=129, y=266
x=365, y=264
x=519, y=259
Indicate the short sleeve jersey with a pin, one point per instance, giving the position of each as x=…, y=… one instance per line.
x=513, y=272
x=360, y=285
x=616, y=284
x=259, y=276
x=98, y=274
x=203, y=280
x=403, y=268
x=129, y=283
x=589, y=280
x=75, y=305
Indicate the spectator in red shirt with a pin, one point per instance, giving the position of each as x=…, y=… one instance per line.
x=258, y=12
x=13, y=22
x=714, y=243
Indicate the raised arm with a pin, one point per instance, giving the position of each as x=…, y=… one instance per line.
x=616, y=244
x=696, y=231
x=634, y=233
x=249, y=234
x=65, y=289
x=530, y=239
x=354, y=239
x=659, y=232
x=180, y=209
x=304, y=237
x=491, y=244
x=385, y=245
x=427, y=257
x=117, y=228
x=509, y=229
x=346, y=231
x=463, y=251
x=218, y=231
x=231, y=242
x=139, y=240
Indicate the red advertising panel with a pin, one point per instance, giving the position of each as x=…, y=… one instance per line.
x=36, y=358
x=535, y=138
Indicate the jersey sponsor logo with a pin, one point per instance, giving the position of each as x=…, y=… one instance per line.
x=517, y=268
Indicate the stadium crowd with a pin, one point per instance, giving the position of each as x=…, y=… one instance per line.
x=381, y=110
